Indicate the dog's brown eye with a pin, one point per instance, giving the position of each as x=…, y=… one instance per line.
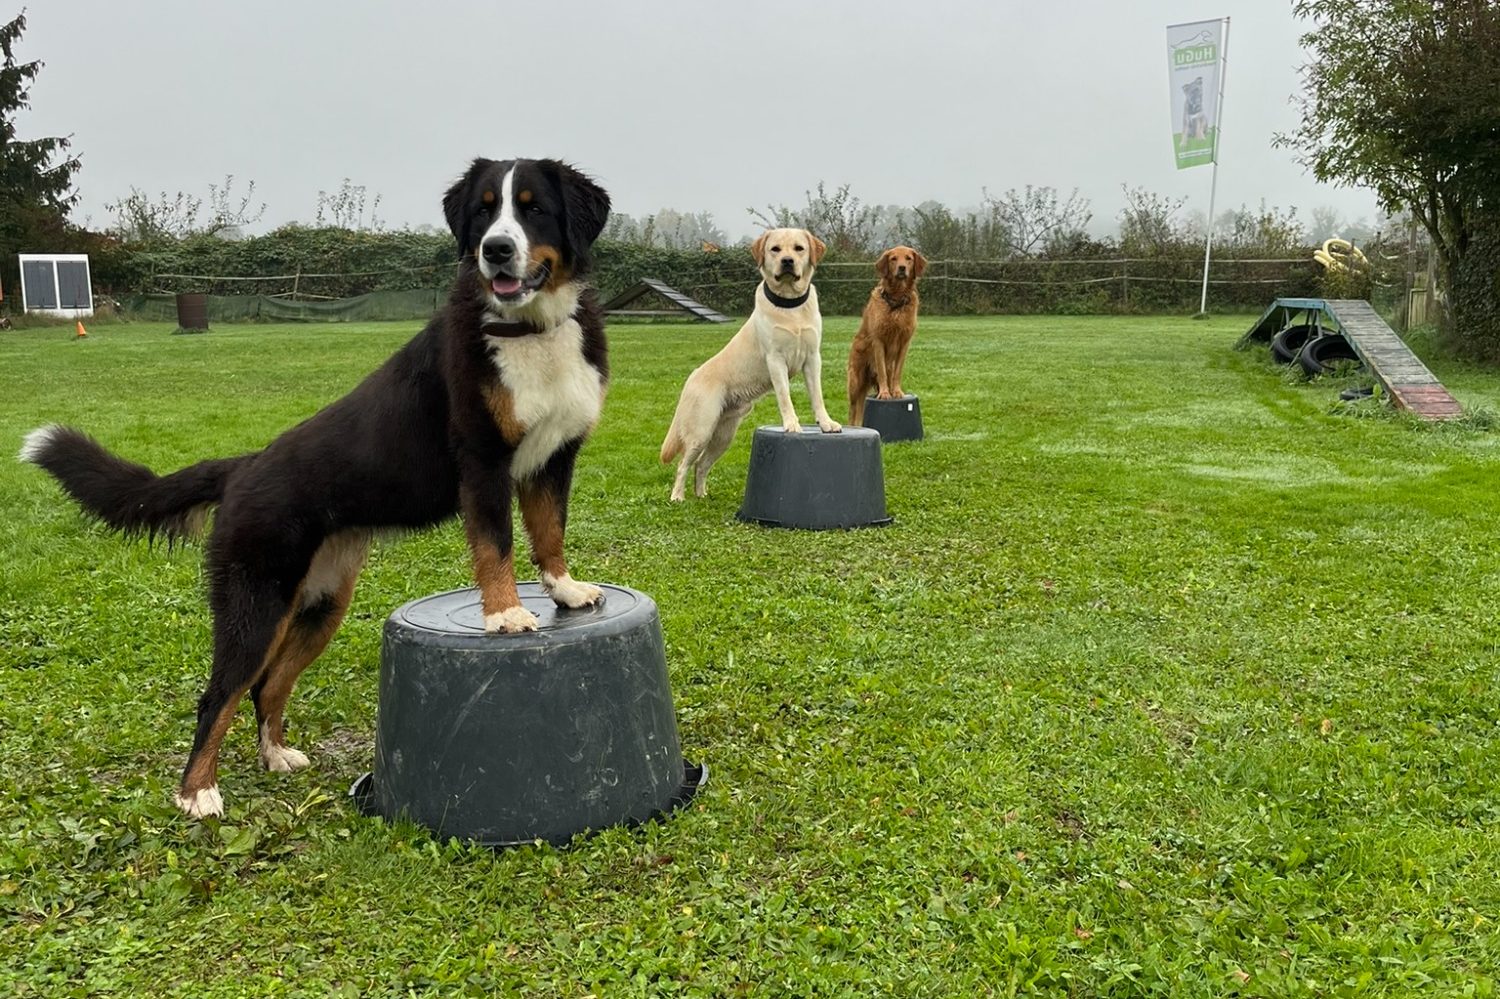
x=775, y=249
x=799, y=249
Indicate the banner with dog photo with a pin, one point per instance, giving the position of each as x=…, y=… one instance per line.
x=1193, y=63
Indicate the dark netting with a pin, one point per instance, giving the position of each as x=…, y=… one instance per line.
x=418, y=303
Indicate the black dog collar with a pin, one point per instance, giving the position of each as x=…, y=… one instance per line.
x=511, y=328
x=894, y=306
x=785, y=303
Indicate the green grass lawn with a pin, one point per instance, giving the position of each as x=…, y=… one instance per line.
x=1167, y=680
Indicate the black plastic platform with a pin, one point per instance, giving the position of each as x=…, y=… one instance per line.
x=507, y=739
x=815, y=481
x=895, y=419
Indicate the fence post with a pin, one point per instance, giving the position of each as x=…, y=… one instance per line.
x=1125, y=283
x=1411, y=273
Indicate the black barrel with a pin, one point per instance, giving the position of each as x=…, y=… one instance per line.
x=192, y=313
x=505, y=739
x=815, y=481
x=895, y=419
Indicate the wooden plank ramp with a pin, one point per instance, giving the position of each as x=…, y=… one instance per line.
x=616, y=306
x=1400, y=372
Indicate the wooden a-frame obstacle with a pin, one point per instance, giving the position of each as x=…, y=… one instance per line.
x=1400, y=372
x=648, y=286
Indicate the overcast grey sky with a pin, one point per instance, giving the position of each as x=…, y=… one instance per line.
x=693, y=106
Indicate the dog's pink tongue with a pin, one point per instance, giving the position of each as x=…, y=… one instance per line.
x=505, y=285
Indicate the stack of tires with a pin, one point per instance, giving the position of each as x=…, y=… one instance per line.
x=1311, y=346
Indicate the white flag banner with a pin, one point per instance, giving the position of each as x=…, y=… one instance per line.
x=1193, y=52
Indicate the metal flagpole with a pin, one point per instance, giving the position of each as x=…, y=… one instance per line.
x=1213, y=185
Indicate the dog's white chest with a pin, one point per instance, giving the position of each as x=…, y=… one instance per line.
x=555, y=394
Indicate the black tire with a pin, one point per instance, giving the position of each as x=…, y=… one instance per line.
x=1284, y=345
x=1353, y=394
x=1318, y=355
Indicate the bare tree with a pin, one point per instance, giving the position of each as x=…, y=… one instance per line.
x=345, y=209
x=686, y=230
x=1038, y=220
x=140, y=218
x=1148, y=224
x=838, y=218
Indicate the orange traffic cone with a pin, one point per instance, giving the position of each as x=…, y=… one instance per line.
x=81, y=331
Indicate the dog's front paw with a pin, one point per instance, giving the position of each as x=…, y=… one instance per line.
x=830, y=427
x=887, y=394
x=510, y=621
x=569, y=592
x=792, y=427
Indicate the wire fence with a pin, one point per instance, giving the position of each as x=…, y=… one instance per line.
x=977, y=287
x=726, y=282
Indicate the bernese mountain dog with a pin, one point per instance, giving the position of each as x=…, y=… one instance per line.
x=491, y=400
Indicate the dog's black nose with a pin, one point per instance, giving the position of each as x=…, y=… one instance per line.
x=499, y=249
x=787, y=263
x=901, y=272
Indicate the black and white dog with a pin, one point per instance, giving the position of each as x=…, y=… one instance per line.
x=491, y=400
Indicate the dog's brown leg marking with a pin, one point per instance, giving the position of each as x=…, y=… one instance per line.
x=544, y=526
x=495, y=573
x=203, y=767
x=311, y=630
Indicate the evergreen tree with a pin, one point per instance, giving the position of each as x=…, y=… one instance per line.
x=36, y=175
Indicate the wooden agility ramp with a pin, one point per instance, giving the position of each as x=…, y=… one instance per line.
x=648, y=286
x=1401, y=373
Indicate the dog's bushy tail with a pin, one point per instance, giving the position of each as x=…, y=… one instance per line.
x=128, y=497
x=672, y=446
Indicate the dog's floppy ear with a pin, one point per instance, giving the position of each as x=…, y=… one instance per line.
x=920, y=265
x=586, y=209
x=453, y=204
x=883, y=264
x=759, y=247
x=818, y=247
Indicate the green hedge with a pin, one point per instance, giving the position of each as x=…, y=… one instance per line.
x=326, y=263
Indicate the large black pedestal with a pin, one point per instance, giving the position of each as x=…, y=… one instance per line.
x=507, y=739
x=815, y=481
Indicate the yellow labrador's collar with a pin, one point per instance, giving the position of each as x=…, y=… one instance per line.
x=782, y=302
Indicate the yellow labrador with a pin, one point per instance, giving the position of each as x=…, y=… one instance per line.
x=782, y=336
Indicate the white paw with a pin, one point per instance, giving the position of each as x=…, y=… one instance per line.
x=569, y=592
x=830, y=427
x=792, y=428
x=200, y=804
x=282, y=759
x=678, y=496
x=510, y=620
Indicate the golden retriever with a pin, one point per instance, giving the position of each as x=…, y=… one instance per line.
x=878, y=352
